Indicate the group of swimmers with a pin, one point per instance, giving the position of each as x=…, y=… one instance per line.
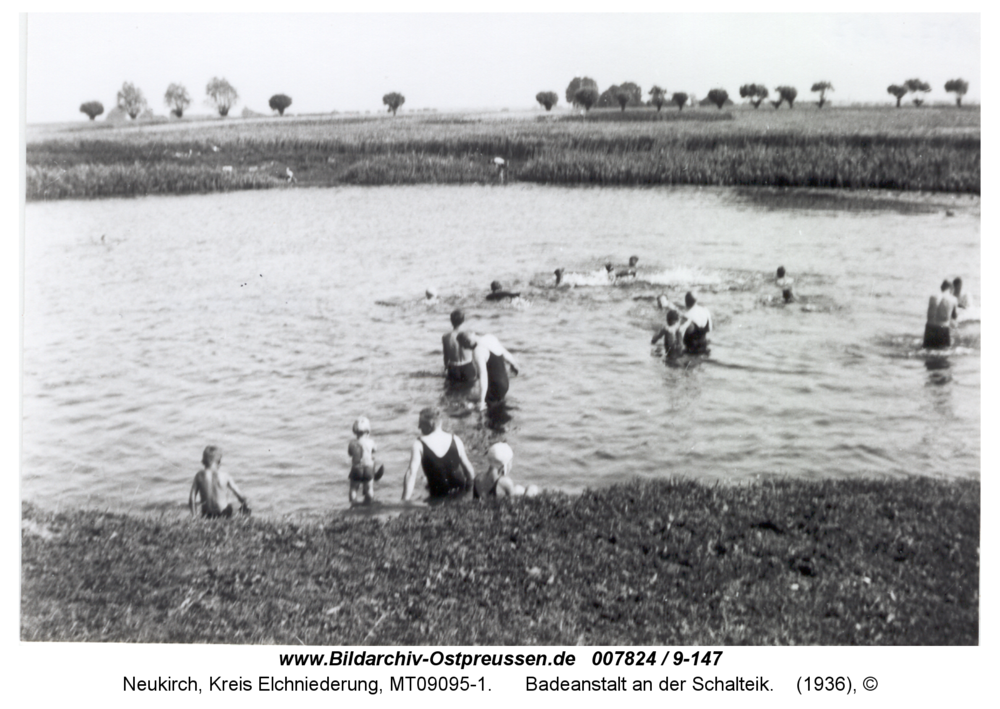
x=942, y=314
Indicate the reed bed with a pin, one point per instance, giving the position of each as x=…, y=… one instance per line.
x=905, y=149
x=138, y=179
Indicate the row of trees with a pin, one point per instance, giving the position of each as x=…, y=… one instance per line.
x=583, y=92
x=220, y=94
x=959, y=87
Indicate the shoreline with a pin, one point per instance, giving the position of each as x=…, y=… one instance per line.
x=771, y=562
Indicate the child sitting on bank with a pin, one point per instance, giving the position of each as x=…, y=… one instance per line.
x=671, y=334
x=213, y=486
x=363, y=473
x=497, y=482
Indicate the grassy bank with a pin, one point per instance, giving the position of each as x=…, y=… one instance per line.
x=869, y=148
x=834, y=562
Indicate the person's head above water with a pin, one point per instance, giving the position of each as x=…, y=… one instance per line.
x=495, y=286
x=690, y=299
x=500, y=457
x=781, y=271
x=632, y=261
x=945, y=285
x=957, y=283
x=672, y=317
x=362, y=425
x=559, y=274
x=467, y=339
x=211, y=455
x=609, y=267
x=787, y=295
x=430, y=419
x=430, y=294
x=457, y=317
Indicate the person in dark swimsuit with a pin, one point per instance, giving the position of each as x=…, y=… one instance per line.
x=490, y=358
x=697, y=324
x=498, y=293
x=442, y=457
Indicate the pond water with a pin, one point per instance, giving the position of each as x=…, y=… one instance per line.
x=266, y=322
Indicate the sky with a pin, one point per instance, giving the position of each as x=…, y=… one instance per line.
x=443, y=61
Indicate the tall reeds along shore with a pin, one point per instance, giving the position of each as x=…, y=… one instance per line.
x=865, y=149
x=670, y=562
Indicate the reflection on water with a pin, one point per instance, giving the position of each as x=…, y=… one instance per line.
x=197, y=320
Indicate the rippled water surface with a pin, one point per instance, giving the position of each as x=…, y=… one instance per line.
x=266, y=322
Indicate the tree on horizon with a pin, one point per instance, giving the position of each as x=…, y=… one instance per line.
x=279, y=102
x=222, y=95
x=131, y=100
x=548, y=99
x=959, y=87
x=575, y=85
x=92, y=108
x=393, y=100
x=177, y=99
x=680, y=98
x=822, y=87
x=755, y=92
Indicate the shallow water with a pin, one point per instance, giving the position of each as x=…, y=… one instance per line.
x=265, y=322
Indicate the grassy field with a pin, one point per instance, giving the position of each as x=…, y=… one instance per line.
x=927, y=149
x=673, y=562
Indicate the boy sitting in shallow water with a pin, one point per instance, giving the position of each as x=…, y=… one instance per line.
x=213, y=487
x=363, y=473
x=496, y=482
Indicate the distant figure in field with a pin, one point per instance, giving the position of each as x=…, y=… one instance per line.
x=442, y=458
x=430, y=296
x=497, y=481
x=697, y=325
x=630, y=271
x=363, y=472
x=941, y=311
x=671, y=334
x=785, y=284
x=458, y=364
x=498, y=293
x=491, y=359
x=213, y=486
x=501, y=169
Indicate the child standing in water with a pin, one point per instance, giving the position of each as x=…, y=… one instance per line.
x=671, y=334
x=363, y=473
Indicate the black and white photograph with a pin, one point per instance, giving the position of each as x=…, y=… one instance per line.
x=401, y=332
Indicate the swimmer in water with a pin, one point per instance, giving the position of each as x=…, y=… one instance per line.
x=941, y=312
x=697, y=325
x=458, y=364
x=630, y=271
x=599, y=277
x=430, y=296
x=498, y=293
x=491, y=359
x=961, y=299
x=363, y=471
x=671, y=334
x=785, y=284
x=213, y=486
x=497, y=481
